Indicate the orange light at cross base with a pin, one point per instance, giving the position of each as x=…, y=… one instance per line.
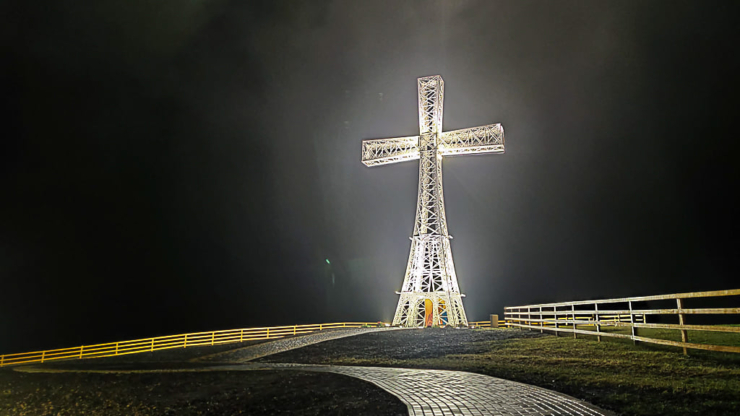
x=428, y=312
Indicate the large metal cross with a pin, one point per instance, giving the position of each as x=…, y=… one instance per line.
x=430, y=295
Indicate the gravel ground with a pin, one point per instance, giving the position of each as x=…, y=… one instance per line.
x=254, y=352
x=203, y=393
x=400, y=345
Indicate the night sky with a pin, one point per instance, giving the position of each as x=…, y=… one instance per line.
x=177, y=166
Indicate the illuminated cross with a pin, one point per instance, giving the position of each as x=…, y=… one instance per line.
x=430, y=294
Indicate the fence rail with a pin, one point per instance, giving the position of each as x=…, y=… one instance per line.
x=486, y=324
x=573, y=317
x=111, y=349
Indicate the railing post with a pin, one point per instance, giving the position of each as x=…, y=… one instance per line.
x=152, y=349
x=116, y=349
x=241, y=335
x=557, y=324
x=82, y=347
x=632, y=323
x=542, y=324
x=598, y=322
x=294, y=328
x=529, y=318
x=43, y=354
x=573, y=313
x=321, y=327
x=684, y=334
x=2, y=360
x=268, y=332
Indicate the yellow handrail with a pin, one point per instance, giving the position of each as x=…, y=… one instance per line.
x=486, y=324
x=135, y=346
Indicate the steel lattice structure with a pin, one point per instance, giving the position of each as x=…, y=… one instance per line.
x=430, y=294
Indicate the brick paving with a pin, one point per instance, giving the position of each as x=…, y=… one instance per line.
x=452, y=393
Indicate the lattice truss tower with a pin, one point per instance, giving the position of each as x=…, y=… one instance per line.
x=430, y=294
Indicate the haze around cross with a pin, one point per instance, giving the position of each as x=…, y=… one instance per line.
x=176, y=167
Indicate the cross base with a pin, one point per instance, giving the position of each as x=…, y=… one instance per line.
x=422, y=309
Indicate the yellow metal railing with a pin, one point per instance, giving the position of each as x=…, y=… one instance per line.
x=195, y=339
x=486, y=324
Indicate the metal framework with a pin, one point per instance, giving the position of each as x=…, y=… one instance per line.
x=430, y=294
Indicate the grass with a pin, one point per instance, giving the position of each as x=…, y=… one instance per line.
x=192, y=394
x=697, y=337
x=614, y=374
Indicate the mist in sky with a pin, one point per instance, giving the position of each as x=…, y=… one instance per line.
x=178, y=166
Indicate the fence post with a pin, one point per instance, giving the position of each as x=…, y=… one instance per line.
x=573, y=313
x=268, y=332
x=294, y=328
x=321, y=327
x=529, y=318
x=82, y=347
x=185, y=345
x=152, y=344
x=542, y=324
x=43, y=354
x=684, y=334
x=2, y=360
x=598, y=322
x=632, y=323
x=557, y=324
x=116, y=349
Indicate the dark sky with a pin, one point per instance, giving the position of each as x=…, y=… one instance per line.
x=180, y=166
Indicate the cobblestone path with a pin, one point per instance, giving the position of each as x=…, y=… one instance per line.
x=448, y=393
x=285, y=344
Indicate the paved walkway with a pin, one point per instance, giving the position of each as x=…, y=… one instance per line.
x=443, y=393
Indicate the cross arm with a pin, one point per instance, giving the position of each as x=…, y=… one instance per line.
x=385, y=151
x=475, y=140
